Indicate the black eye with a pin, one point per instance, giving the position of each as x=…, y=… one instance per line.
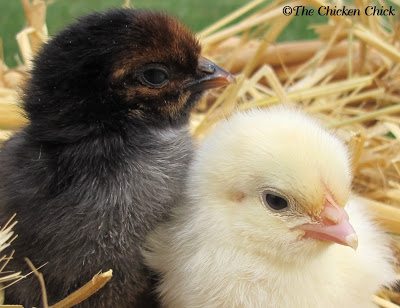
x=155, y=77
x=274, y=201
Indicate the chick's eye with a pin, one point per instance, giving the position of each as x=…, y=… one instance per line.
x=274, y=201
x=155, y=77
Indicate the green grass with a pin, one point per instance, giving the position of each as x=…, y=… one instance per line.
x=196, y=14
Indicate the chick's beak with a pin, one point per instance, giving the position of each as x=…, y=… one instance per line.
x=333, y=225
x=213, y=76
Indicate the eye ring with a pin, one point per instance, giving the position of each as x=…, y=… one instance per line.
x=154, y=75
x=275, y=201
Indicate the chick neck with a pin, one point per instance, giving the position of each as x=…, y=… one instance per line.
x=65, y=121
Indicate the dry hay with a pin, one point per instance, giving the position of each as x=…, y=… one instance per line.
x=7, y=278
x=349, y=77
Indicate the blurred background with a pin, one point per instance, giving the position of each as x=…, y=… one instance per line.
x=197, y=14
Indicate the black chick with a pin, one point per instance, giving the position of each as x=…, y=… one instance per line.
x=105, y=154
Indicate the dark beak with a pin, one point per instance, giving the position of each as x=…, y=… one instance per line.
x=214, y=77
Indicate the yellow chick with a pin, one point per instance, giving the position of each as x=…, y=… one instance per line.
x=269, y=220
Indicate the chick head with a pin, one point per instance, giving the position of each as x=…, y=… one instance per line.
x=278, y=180
x=121, y=64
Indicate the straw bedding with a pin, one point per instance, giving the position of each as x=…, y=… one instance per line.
x=349, y=77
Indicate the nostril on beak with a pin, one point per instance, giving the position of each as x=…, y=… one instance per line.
x=212, y=76
x=207, y=67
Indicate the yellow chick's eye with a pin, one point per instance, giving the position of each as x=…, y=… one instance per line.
x=274, y=200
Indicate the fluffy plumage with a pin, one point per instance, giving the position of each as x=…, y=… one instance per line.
x=229, y=245
x=105, y=154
